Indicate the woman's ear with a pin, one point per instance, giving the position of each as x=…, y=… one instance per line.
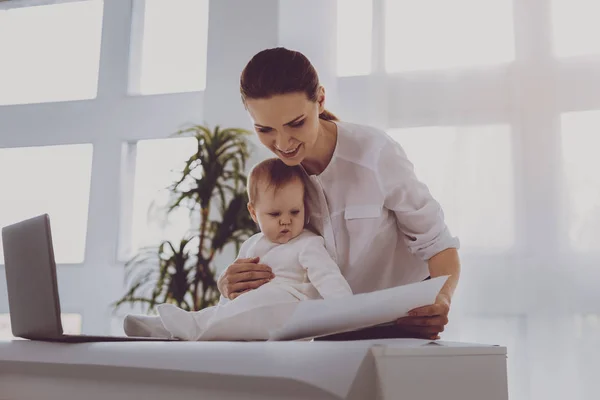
x=321, y=99
x=252, y=212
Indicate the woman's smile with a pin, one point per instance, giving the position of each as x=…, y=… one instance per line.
x=290, y=153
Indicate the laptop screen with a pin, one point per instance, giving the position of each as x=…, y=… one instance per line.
x=31, y=279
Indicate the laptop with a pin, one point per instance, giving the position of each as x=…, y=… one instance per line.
x=32, y=285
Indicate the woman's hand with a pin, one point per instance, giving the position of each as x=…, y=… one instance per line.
x=243, y=275
x=427, y=322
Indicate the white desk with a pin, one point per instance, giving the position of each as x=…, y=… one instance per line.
x=378, y=369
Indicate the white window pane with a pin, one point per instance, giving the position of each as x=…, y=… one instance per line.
x=354, y=30
x=71, y=324
x=53, y=180
x=174, y=46
x=50, y=52
x=580, y=142
x=435, y=34
x=158, y=165
x=576, y=28
x=469, y=170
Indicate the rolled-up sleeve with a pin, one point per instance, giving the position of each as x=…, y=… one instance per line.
x=420, y=217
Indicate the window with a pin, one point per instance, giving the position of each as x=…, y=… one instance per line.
x=437, y=34
x=580, y=137
x=157, y=165
x=470, y=172
x=173, y=46
x=50, y=52
x=71, y=324
x=53, y=180
x=576, y=29
x=354, y=32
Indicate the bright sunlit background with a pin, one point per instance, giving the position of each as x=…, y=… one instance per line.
x=496, y=102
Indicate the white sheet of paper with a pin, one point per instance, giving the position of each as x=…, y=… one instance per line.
x=313, y=318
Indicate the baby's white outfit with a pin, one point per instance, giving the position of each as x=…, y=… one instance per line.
x=301, y=266
x=303, y=270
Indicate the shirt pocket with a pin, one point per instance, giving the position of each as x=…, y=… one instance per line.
x=362, y=225
x=362, y=212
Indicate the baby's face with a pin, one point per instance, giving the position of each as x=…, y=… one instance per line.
x=280, y=213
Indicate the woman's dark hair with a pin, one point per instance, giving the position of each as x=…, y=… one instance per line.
x=280, y=71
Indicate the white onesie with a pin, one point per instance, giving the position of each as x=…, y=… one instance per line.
x=302, y=266
x=303, y=270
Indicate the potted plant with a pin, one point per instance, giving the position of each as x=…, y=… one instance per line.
x=212, y=185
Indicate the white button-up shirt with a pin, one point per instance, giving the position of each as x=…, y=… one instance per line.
x=379, y=222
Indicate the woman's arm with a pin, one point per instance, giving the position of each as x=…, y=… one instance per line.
x=429, y=321
x=421, y=221
x=445, y=263
x=246, y=273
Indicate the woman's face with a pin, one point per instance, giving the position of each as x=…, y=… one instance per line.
x=287, y=124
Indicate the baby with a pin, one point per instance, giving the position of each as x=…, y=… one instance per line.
x=302, y=266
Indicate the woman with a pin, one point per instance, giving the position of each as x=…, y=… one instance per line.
x=380, y=223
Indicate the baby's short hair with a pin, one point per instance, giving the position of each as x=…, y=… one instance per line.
x=274, y=173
